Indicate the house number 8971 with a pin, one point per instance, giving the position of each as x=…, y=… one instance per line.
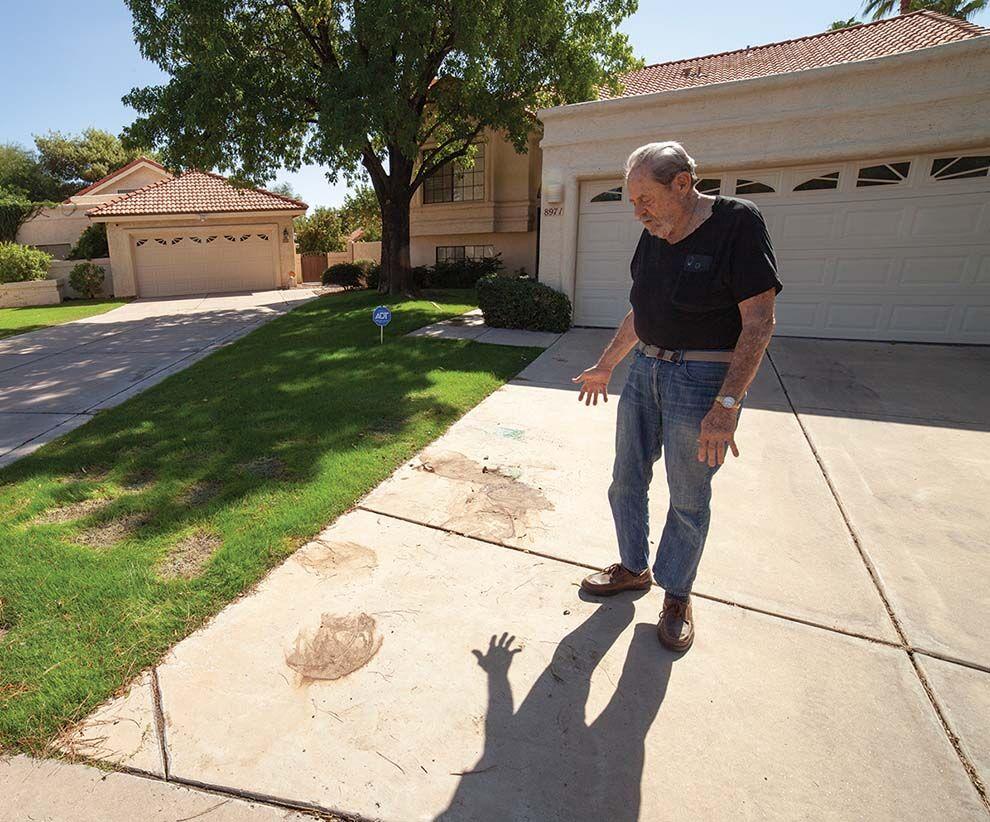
x=553, y=211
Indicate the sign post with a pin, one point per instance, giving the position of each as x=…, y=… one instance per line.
x=381, y=317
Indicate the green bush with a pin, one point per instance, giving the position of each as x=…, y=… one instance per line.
x=87, y=279
x=349, y=275
x=516, y=302
x=19, y=263
x=462, y=273
x=92, y=243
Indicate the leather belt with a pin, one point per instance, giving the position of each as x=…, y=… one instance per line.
x=670, y=355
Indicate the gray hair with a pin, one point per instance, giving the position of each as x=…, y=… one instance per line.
x=664, y=161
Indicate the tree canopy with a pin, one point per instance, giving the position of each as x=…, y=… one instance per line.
x=953, y=8
x=391, y=88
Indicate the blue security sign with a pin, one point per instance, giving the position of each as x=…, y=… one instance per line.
x=381, y=316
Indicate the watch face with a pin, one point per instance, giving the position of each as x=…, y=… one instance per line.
x=728, y=402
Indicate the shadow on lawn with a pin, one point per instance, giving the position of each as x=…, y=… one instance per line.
x=545, y=760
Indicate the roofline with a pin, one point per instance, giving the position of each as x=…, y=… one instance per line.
x=193, y=215
x=636, y=100
x=973, y=28
x=93, y=211
x=121, y=170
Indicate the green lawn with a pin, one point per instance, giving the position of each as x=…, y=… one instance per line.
x=31, y=318
x=240, y=459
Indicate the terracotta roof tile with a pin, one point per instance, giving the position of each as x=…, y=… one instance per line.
x=117, y=171
x=195, y=192
x=895, y=35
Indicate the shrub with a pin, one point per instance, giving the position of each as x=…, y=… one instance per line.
x=373, y=275
x=349, y=275
x=463, y=273
x=91, y=243
x=515, y=302
x=19, y=263
x=87, y=279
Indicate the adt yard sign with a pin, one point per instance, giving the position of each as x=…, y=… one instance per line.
x=381, y=317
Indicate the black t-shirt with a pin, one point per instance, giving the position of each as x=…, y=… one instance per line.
x=686, y=295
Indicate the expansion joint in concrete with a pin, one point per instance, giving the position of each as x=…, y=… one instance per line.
x=156, y=696
x=875, y=576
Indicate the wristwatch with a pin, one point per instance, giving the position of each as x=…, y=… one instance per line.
x=727, y=402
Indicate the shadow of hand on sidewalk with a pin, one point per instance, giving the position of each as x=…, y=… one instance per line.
x=545, y=761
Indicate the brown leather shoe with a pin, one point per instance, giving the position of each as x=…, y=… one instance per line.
x=676, y=626
x=614, y=579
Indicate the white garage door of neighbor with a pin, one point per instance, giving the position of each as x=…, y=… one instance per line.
x=201, y=260
x=892, y=249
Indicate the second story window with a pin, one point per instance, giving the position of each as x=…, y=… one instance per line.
x=456, y=181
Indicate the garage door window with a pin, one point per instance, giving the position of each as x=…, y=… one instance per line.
x=886, y=174
x=613, y=195
x=709, y=185
x=753, y=187
x=822, y=182
x=960, y=168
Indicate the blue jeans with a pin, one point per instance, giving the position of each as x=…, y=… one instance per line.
x=660, y=411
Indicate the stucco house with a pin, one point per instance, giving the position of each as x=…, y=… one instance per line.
x=57, y=229
x=196, y=233
x=472, y=210
x=867, y=149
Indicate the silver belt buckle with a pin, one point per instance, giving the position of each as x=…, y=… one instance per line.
x=670, y=356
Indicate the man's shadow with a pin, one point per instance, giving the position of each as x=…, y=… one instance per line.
x=544, y=761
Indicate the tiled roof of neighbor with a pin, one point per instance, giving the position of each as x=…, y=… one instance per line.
x=121, y=170
x=195, y=192
x=894, y=35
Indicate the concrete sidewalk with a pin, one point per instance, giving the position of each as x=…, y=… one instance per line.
x=55, y=379
x=429, y=656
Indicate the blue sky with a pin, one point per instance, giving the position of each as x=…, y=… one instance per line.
x=68, y=63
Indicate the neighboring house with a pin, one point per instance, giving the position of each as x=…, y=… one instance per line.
x=476, y=210
x=57, y=229
x=197, y=233
x=867, y=149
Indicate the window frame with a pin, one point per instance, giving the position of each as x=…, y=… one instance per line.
x=487, y=250
x=448, y=173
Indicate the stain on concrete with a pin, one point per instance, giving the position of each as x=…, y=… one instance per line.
x=340, y=646
x=67, y=513
x=498, y=504
x=327, y=559
x=188, y=557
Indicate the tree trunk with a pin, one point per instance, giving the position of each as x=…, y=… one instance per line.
x=905, y=6
x=396, y=270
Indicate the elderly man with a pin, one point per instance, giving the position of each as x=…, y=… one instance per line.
x=704, y=281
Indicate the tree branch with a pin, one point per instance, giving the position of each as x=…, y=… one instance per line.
x=430, y=164
x=304, y=30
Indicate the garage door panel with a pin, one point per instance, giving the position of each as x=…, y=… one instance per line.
x=959, y=219
x=192, y=261
x=921, y=319
x=863, y=272
x=936, y=270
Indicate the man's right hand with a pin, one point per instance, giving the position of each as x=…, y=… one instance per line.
x=594, y=381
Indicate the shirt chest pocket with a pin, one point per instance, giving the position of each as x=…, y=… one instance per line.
x=700, y=286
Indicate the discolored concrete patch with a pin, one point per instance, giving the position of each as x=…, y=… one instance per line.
x=72, y=511
x=190, y=555
x=777, y=541
x=497, y=505
x=338, y=647
x=770, y=719
x=331, y=558
x=108, y=534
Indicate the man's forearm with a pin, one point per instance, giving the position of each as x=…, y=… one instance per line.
x=622, y=343
x=746, y=361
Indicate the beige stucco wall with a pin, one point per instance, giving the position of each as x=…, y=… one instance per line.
x=518, y=249
x=32, y=292
x=505, y=219
x=62, y=225
x=922, y=101
x=121, y=248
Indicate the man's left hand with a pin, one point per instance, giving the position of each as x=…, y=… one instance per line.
x=718, y=430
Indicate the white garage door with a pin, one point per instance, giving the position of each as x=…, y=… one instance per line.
x=893, y=249
x=202, y=260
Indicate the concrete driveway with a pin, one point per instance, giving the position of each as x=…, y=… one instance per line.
x=428, y=656
x=55, y=379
